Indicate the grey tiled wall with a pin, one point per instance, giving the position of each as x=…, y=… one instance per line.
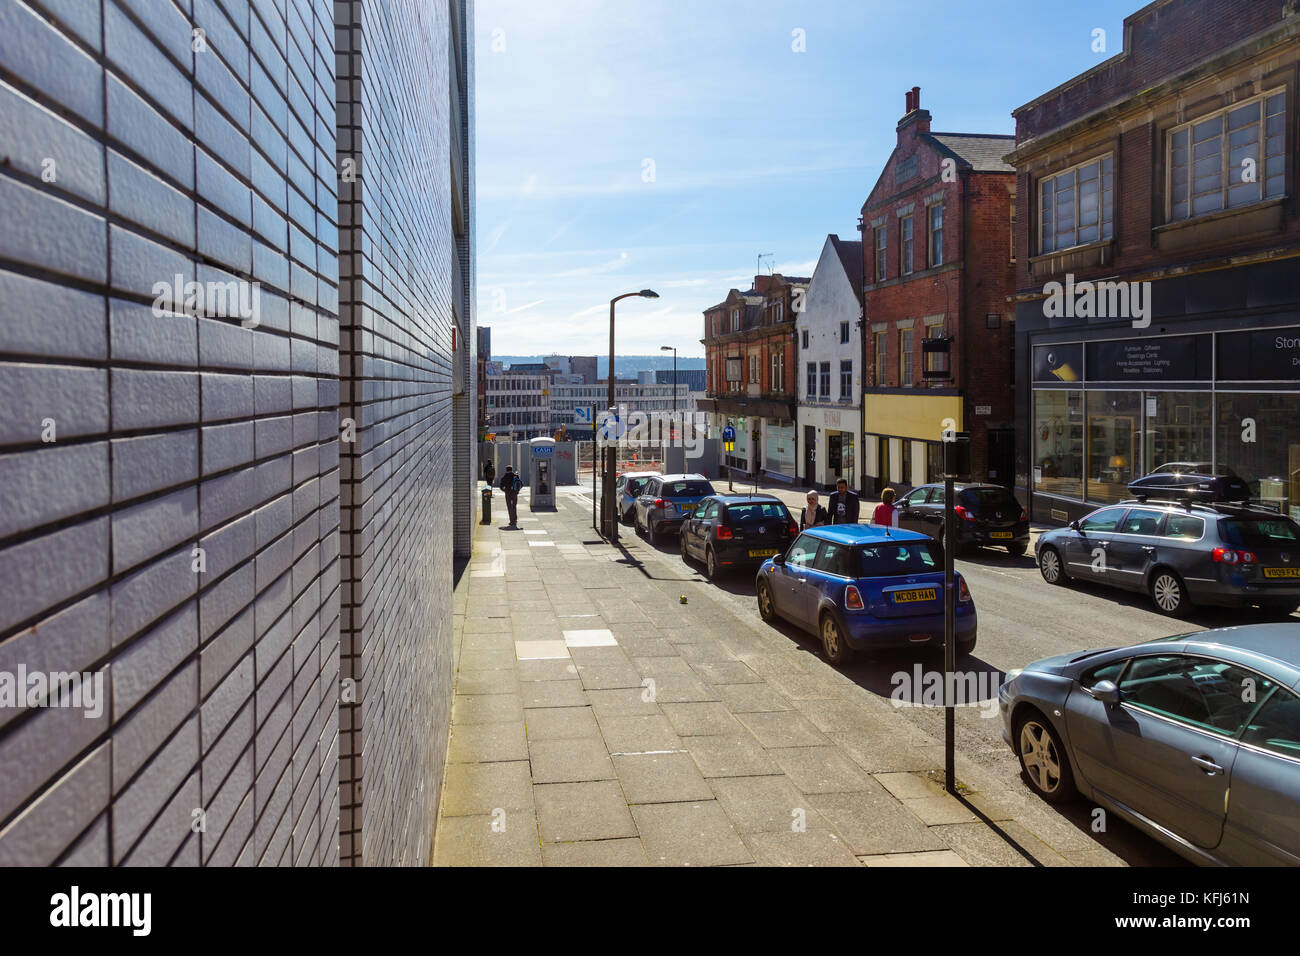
x=397, y=495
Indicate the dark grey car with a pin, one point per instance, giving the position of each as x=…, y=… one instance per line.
x=1181, y=554
x=1194, y=739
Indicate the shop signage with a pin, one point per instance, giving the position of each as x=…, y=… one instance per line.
x=1058, y=363
x=983, y=409
x=1262, y=355
x=831, y=418
x=1168, y=358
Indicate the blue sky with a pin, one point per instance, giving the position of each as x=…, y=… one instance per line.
x=628, y=144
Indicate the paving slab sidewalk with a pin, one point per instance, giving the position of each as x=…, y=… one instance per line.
x=600, y=721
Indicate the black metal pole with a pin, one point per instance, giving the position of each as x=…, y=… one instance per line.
x=949, y=620
x=611, y=464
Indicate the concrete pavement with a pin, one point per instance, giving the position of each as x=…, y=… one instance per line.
x=612, y=709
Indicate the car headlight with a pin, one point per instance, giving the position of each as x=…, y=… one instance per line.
x=1012, y=674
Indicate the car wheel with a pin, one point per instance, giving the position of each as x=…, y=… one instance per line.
x=766, y=606
x=650, y=534
x=966, y=648
x=837, y=649
x=1169, y=594
x=1018, y=549
x=636, y=524
x=710, y=564
x=1051, y=567
x=686, y=554
x=1043, y=759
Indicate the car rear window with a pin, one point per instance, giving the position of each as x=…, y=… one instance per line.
x=988, y=499
x=896, y=559
x=755, y=513
x=1260, y=532
x=686, y=489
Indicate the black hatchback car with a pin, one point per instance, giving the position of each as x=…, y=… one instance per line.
x=737, y=531
x=985, y=515
x=1181, y=554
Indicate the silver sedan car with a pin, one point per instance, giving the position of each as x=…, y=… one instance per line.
x=1194, y=739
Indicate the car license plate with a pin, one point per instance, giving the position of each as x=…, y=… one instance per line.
x=908, y=597
x=686, y=509
x=1282, y=572
x=762, y=552
x=1000, y=534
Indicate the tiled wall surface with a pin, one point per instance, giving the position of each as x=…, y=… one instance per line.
x=396, y=336
x=171, y=518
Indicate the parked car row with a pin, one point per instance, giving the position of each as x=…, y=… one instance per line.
x=1193, y=739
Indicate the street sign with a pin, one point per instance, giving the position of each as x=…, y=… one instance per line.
x=583, y=415
x=543, y=451
x=729, y=434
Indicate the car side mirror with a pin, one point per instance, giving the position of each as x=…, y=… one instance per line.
x=1075, y=524
x=778, y=558
x=1104, y=691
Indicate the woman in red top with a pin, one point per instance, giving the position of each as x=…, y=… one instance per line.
x=886, y=512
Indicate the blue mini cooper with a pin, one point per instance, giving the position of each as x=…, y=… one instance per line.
x=863, y=587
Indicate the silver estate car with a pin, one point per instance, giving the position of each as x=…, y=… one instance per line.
x=1194, y=739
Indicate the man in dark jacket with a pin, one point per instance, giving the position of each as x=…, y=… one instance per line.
x=510, y=484
x=490, y=473
x=843, y=505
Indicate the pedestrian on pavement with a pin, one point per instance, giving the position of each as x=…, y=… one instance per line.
x=510, y=484
x=843, y=505
x=490, y=473
x=814, y=514
x=886, y=512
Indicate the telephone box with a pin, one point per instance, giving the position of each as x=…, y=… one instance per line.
x=541, y=478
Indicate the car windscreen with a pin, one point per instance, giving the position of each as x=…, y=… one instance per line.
x=634, y=485
x=686, y=489
x=989, y=499
x=756, y=513
x=1260, y=532
x=895, y=559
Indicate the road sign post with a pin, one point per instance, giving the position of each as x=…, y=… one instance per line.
x=956, y=452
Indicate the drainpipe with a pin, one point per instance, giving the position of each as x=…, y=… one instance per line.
x=961, y=309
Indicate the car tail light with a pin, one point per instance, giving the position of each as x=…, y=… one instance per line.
x=724, y=533
x=1230, y=556
x=961, y=512
x=853, y=598
x=659, y=503
x=794, y=529
x=964, y=593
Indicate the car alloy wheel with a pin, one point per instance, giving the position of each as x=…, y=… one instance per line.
x=686, y=554
x=1168, y=593
x=766, y=608
x=710, y=563
x=1042, y=760
x=1049, y=566
x=650, y=534
x=837, y=651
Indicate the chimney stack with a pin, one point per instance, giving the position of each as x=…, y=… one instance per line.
x=913, y=115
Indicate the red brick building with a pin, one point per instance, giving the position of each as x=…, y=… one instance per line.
x=1158, y=260
x=937, y=263
x=749, y=344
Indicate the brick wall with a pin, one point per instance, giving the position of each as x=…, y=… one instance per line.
x=397, y=515
x=182, y=517
x=136, y=435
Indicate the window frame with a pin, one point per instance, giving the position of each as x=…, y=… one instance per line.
x=1102, y=221
x=846, y=380
x=882, y=357
x=1225, y=151
x=906, y=365
x=881, y=252
x=907, y=245
x=935, y=257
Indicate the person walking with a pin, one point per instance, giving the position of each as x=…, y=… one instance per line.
x=490, y=473
x=886, y=512
x=843, y=505
x=814, y=514
x=510, y=484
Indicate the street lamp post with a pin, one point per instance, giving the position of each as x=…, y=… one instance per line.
x=610, y=507
x=673, y=349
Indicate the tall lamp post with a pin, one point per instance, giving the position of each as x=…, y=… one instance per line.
x=610, y=507
x=673, y=349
